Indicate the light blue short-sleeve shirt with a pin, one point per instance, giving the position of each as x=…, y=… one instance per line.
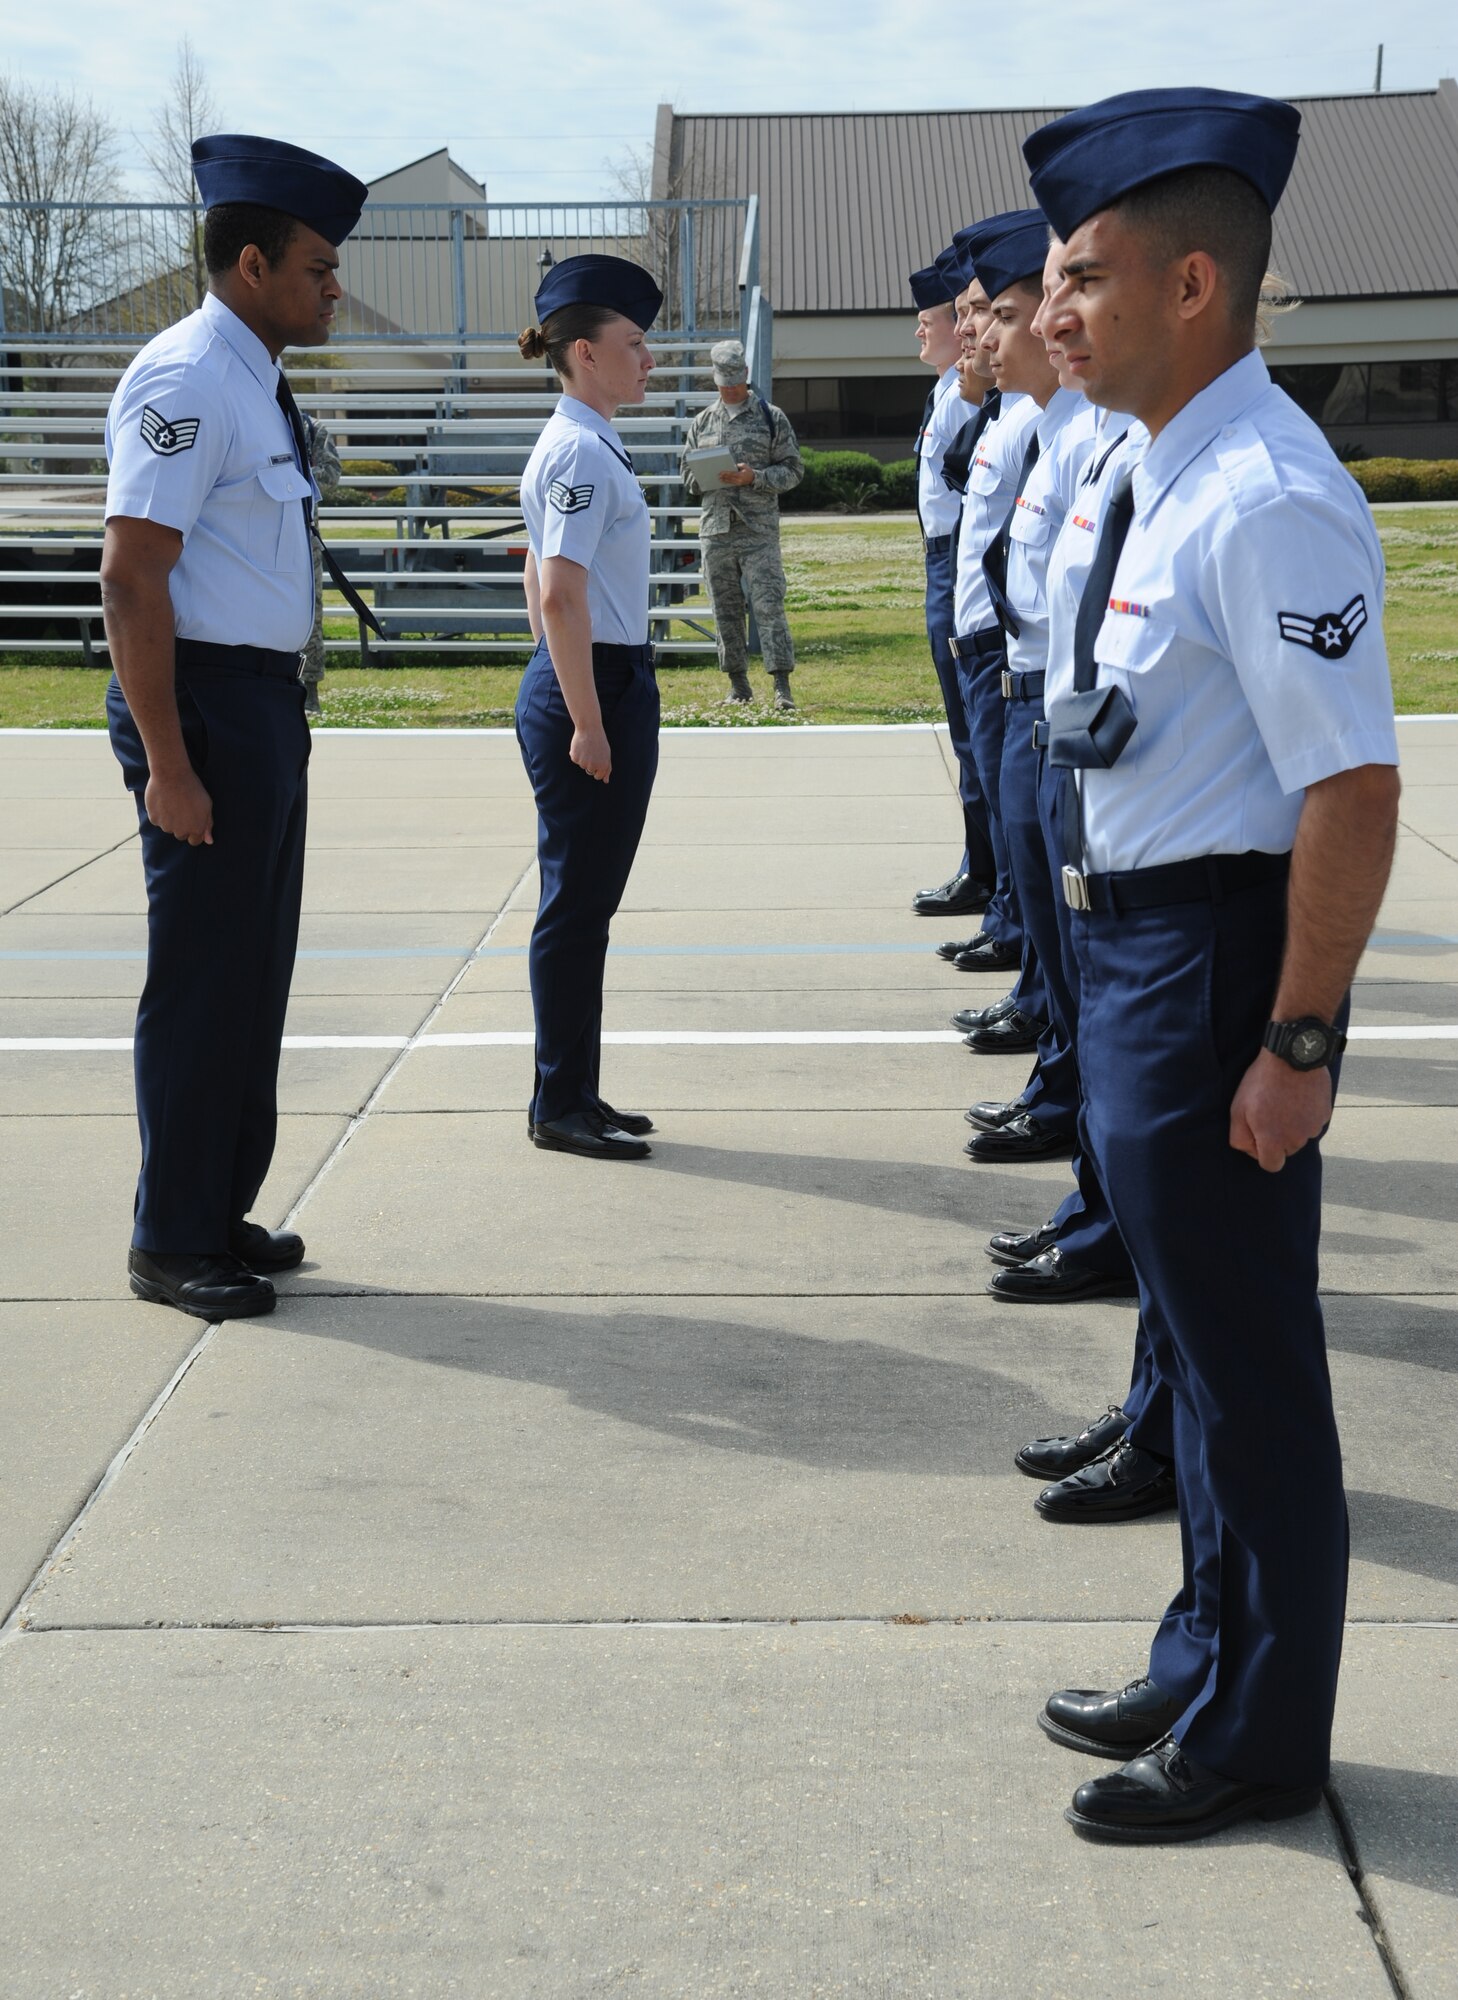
x=1245, y=627
x=196, y=441
x=1065, y=442
x=938, y=504
x=991, y=483
x=1117, y=440
x=581, y=499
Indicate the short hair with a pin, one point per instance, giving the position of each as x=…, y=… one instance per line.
x=229, y=228
x=560, y=332
x=1212, y=209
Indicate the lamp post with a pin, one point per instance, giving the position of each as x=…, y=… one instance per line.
x=544, y=264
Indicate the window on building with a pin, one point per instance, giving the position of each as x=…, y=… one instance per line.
x=1405, y=392
x=828, y=408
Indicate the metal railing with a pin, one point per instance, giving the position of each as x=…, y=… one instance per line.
x=429, y=405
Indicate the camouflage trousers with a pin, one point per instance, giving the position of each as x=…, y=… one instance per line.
x=745, y=573
x=311, y=670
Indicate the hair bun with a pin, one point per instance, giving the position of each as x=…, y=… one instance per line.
x=531, y=344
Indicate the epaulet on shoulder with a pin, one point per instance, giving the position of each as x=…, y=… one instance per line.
x=1248, y=469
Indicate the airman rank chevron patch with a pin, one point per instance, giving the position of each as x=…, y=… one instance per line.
x=167, y=438
x=1329, y=633
x=569, y=499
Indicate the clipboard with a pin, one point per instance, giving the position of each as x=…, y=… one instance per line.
x=709, y=464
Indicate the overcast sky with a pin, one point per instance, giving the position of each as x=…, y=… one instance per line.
x=536, y=98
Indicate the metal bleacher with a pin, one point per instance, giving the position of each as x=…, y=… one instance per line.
x=424, y=393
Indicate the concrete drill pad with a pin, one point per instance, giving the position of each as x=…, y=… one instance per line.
x=355, y=1458
x=521, y=1815
x=78, y=1378
x=1388, y=1200
x=740, y=1202
x=51, y=822
x=67, y=1184
x=374, y=1458
x=33, y=875
x=761, y=879
x=362, y=1013
x=91, y=1083
x=713, y=1006
x=1395, y=1772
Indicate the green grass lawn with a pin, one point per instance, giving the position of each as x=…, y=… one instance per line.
x=856, y=611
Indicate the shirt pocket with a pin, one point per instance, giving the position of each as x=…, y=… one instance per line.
x=1029, y=527
x=983, y=479
x=1138, y=654
x=274, y=518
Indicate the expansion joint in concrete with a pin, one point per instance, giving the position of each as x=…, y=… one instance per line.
x=1367, y=1911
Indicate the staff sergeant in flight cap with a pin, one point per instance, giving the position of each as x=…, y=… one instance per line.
x=208, y=593
x=1229, y=752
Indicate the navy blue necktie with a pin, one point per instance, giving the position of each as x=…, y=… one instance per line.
x=994, y=556
x=337, y=577
x=1118, y=515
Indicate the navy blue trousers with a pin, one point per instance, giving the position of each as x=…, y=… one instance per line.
x=981, y=682
x=1173, y=1005
x=941, y=562
x=1053, y=1099
x=222, y=930
x=587, y=837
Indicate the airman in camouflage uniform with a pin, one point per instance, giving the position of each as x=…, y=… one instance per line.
x=327, y=470
x=740, y=521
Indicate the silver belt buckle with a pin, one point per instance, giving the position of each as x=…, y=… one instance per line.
x=1006, y=685
x=1075, y=890
x=956, y=649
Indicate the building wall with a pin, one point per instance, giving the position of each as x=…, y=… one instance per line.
x=1380, y=376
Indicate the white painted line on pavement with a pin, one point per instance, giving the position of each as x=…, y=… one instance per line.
x=639, y=1038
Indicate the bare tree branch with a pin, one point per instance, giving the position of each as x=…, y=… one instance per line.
x=58, y=158
x=188, y=111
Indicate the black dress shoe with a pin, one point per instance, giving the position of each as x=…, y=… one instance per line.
x=265, y=1249
x=1012, y=1034
x=959, y=896
x=1007, y=1247
x=216, y=1286
x=1118, y=1724
x=1124, y=1484
x=1021, y=1138
x=1052, y=1278
x=636, y=1123
x=967, y=1018
x=953, y=947
x=1165, y=1795
x=1057, y=1457
x=986, y=954
x=989, y=1117
x=586, y=1133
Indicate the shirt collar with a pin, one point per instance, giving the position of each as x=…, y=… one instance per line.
x=1191, y=429
x=244, y=342
x=945, y=381
x=1062, y=405
x=589, y=418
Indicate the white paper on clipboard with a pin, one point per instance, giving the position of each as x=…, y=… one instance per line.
x=709, y=464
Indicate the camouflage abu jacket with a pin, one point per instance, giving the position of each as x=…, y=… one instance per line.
x=768, y=445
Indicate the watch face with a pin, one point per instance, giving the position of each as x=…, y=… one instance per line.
x=1308, y=1045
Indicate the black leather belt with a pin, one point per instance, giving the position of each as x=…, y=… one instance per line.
x=977, y=645
x=604, y=655
x=1022, y=687
x=936, y=545
x=202, y=656
x=1208, y=880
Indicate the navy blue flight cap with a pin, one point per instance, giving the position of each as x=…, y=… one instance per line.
x=1007, y=247
x=929, y=288
x=1086, y=161
x=594, y=280
x=237, y=166
x=949, y=264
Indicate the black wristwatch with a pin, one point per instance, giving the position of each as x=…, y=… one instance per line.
x=1305, y=1044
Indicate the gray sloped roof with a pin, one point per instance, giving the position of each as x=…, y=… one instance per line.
x=852, y=201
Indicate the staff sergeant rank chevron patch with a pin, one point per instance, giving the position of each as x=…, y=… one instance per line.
x=569, y=499
x=1329, y=633
x=167, y=438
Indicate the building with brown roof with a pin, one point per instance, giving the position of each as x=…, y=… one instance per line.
x=1366, y=236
